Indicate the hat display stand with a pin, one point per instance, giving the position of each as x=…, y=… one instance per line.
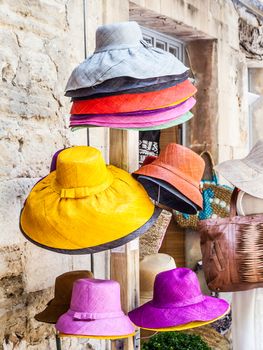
x=124, y=261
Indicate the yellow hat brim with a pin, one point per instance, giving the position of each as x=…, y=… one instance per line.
x=63, y=335
x=186, y=326
x=79, y=223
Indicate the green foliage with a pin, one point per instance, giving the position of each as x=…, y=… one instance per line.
x=175, y=341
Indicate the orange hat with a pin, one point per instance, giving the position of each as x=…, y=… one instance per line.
x=180, y=167
x=135, y=102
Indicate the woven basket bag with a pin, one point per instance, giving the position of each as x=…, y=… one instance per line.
x=216, y=198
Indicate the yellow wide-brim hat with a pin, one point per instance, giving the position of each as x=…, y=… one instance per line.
x=85, y=206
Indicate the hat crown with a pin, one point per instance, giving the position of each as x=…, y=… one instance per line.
x=64, y=285
x=150, y=266
x=255, y=157
x=177, y=287
x=95, y=296
x=181, y=158
x=118, y=36
x=80, y=166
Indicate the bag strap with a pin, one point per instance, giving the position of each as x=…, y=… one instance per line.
x=212, y=164
x=233, y=202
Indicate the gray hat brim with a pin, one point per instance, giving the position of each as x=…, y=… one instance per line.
x=140, y=62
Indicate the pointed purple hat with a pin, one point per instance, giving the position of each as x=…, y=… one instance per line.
x=95, y=310
x=177, y=300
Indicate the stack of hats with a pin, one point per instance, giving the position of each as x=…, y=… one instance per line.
x=173, y=178
x=84, y=206
x=128, y=84
x=178, y=304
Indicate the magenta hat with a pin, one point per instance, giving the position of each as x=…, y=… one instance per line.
x=150, y=118
x=95, y=310
x=177, y=300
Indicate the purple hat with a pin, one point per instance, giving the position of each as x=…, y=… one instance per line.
x=177, y=300
x=95, y=310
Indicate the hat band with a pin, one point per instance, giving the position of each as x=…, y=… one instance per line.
x=81, y=192
x=191, y=301
x=94, y=315
x=177, y=172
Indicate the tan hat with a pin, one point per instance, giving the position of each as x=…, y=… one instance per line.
x=63, y=290
x=248, y=205
x=150, y=266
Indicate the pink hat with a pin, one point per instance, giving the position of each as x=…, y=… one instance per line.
x=148, y=118
x=95, y=310
x=177, y=300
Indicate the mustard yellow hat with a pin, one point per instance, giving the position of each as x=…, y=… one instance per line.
x=85, y=206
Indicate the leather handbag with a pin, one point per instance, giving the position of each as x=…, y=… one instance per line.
x=232, y=251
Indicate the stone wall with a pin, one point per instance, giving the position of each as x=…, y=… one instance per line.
x=41, y=42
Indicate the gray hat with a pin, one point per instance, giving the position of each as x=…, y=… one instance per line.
x=122, y=52
x=247, y=173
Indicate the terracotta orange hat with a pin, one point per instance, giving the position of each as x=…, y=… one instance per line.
x=180, y=167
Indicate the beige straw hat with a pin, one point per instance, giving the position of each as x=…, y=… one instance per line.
x=248, y=205
x=150, y=266
x=247, y=173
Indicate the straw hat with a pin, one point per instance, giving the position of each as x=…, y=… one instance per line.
x=95, y=310
x=180, y=120
x=122, y=52
x=126, y=85
x=247, y=173
x=135, y=102
x=85, y=206
x=138, y=119
x=63, y=290
x=179, y=167
x=248, y=205
x=150, y=266
x=177, y=300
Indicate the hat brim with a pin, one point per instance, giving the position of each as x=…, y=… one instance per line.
x=130, y=62
x=162, y=192
x=132, y=87
x=149, y=316
x=239, y=174
x=99, y=248
x=149, y=118
x=51, y=313
x=109, y=337
x=188, y=190
x=135, y=102
x=180, y=120
x=120, y=326
x=189, y=325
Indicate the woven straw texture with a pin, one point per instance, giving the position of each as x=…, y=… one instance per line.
x=216, y=201
x=95, y=309
x=216, y=198
x=151, y=241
